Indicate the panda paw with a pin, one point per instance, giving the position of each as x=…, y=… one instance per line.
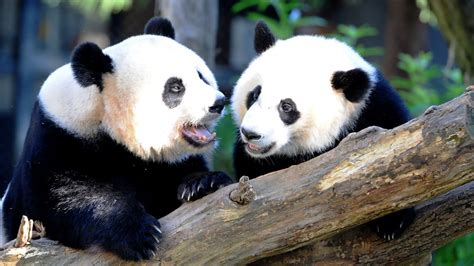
x=141, y=244
x=392, y=226
x=199, y=185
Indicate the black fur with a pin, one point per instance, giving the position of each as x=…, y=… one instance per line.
x=173, y=92
x=263, y=38
x=89, y=63
x=201, y=184
x=218, y=106
x=159, y=26
x=384, y=109
x=250, y=135
x=354, y=83
x=94, y=192
x=289, y=114
x=202, y=78
x=252, y=97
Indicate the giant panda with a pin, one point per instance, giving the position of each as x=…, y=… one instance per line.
x=300, y=97
x=118, y=138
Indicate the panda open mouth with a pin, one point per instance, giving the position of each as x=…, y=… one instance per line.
x=258, y=150
x=198, y=135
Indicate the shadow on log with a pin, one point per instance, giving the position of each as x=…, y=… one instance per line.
x=371, y=173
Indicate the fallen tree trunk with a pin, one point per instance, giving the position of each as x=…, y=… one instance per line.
x=438, y=221
x=370, y=174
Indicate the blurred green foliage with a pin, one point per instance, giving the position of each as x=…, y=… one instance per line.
x=459, y=252
x=288, y=12
x=421, y=76
x=226, y=133
x=104, y=8
x=352, y=35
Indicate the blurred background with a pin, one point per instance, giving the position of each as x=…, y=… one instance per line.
x=424, y=47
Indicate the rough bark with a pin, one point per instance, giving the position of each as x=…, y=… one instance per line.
x=456, y=22
x=435, y=225
x=370, y=174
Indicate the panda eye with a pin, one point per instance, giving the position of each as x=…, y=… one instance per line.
x=176, y=88
x=255, y=95
x=289, y=114
x=174, y=85
x=286, y=107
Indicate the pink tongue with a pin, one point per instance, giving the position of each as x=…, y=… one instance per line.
x=200, y=134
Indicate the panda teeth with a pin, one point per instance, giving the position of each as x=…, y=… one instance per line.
x=253, y=147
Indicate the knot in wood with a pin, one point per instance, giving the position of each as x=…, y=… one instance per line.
x=244, y=192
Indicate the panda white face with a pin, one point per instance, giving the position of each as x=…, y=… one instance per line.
x=169, y=94
x=149, y=93
x=299, y=95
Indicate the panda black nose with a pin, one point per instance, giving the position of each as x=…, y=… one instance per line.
x=250, y=135
x=218, y=106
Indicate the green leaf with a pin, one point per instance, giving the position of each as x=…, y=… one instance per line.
x=310, y=21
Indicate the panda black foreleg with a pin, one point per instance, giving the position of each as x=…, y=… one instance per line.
x=392, y=226
x=200, y=184
x=87, y=214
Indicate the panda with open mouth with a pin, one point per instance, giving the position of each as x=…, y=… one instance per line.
x=300, y=97
x=118, y=139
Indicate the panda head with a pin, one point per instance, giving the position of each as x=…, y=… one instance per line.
x=299, y=95
x=148, y=93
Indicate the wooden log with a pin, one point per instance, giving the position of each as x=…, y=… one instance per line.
x=438, y=221
x=371, y=173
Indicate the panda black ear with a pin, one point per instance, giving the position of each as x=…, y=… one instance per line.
x=88, y=63
x=263, y=38
x=159, y=26
x=355, y=83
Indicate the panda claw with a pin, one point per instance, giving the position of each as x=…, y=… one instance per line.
x=199, y=187
x=378, y=229
x=401, y=224
x=157, y=229
x=156, y=240
x=189, y=196
x=184, y=192
x=393, y=236
x=212, y=183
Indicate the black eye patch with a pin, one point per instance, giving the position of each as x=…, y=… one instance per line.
x=173, y=92
x=289, y=114
x=252, y=97
x=202, y=78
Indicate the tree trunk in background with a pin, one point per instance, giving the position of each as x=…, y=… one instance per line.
x=195, y=23
x=404, y=34
x=456, y=22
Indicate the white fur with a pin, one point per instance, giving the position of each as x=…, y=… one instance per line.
x=301, y=69
x=130, y=108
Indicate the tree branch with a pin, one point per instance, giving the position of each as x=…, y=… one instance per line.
x=438, y=221
x=370, y=174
